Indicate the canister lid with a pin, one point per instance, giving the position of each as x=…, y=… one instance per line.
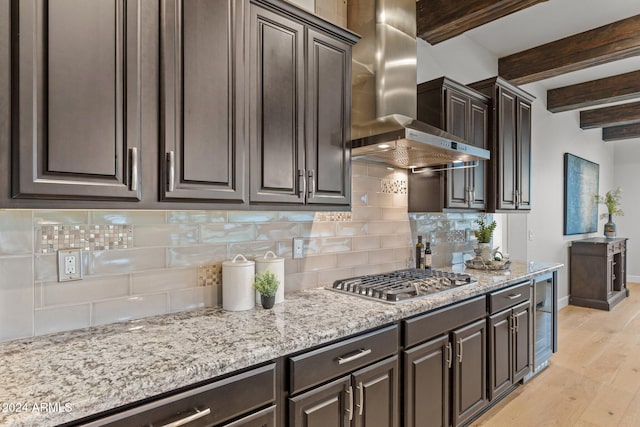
x=269, y=257
x=236, y=262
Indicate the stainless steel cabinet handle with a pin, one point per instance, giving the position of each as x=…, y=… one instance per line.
x=515, y=316
x=349, y=407
x=459, y=350
x=171, y=171
x=311, y=186
x=514, y=296
x=360, y=403
x=133, y=152
x=449, y=355
x=302, y=183
x=361, y=353
x=188, y=419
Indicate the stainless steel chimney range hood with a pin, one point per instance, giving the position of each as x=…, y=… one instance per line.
x=384, y=97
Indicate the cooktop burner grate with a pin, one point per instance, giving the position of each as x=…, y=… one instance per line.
x=402, y=285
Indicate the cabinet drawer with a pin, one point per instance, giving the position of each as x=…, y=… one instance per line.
x=509, y=297
x=221, y=400
x=427, y=326
x=328, y=362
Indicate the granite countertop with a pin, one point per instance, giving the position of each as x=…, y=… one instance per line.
x=62, y=377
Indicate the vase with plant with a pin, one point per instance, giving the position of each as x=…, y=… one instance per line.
x=484, y=234
x=612, y=200
x=266, y=284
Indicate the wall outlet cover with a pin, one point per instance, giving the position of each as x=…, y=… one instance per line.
x=69, y=265
x=298, y=247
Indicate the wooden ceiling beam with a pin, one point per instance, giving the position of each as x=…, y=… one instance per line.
x=440, y=20
x=622, y=87
x=601, y=45
x=616, y=133
x=622, y=114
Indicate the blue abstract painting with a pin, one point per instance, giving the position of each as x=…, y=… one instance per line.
x=580, y=186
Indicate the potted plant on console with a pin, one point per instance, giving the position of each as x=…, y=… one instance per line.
x=484, y=234
x=612, y=201
x=266, y=284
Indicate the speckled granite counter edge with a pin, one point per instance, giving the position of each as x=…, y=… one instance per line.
x=101, y=368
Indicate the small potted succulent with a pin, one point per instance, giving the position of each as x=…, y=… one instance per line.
x=484, y=234
x=612, y=201
x=266, y=284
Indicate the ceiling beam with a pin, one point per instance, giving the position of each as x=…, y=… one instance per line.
x=616, y=133
x=440, y=20
x=622, y=114
x=622, y=87
x=604, y=44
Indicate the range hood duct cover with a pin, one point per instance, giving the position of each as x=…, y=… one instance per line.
x=384, y=92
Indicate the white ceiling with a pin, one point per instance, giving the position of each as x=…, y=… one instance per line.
x=556, y=19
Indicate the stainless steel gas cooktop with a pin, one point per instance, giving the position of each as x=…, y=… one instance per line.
x=402, y=285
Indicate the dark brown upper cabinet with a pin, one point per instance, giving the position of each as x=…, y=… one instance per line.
x=509, y=176
x=76, y=81
x=299, y=107
x=202, y=109
x=463, y=112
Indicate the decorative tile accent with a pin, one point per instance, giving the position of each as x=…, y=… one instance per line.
x=210, y=274
x=333, y=216
x=87, y=237
x=393, y=186
x=456, y=236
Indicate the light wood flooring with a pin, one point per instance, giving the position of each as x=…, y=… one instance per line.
x=593, y=379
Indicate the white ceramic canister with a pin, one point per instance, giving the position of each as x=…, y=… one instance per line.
x=271, y=262
x=237, y=284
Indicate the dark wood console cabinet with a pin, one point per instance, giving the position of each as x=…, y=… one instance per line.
x=598, y=272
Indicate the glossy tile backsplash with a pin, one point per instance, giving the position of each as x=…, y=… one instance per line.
x=158, y=271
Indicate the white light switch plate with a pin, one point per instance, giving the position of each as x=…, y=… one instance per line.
x=69, y=265
x=298, y=247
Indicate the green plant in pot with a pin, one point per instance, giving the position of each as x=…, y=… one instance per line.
x=484, y=234
x=266, y=284
x=612, y=200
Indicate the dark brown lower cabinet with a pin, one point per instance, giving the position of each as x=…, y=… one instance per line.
x=243, y=400
x=367, y=398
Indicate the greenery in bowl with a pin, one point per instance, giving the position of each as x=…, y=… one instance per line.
x=612, y=201
x=484, y=231
x=266, y=284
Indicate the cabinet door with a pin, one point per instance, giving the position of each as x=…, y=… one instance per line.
x=500, y=354
x=457, y=115
x=328, y=155
x=325, y=406
x=524, y=155
x=276, y=108
x=478, y=136
x=506, y=150
x=427, y=383
x=376, y=397
x=522, y=341
x=264, y=418
x=77, y=99
x=202, y=98
x=469, y=371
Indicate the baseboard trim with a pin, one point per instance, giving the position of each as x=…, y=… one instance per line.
x=563, y=302
x=633, y=279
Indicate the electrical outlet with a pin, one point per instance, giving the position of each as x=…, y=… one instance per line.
x=69, y=265
x=531, y=235
x=298, y=247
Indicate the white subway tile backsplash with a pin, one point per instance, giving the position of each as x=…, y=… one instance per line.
x=299, y=281
x=196, y=255
x=126, y=260
x=84, y=291
x=366, y=183
x=353, y=228
x=167, y=279
x=318, y=229
x=16, y=232
x=192, y=298
x=251, y=249
x=16, y=297
x=358, y=168
x=58, y=319
x=366, y=243
x=353, y=258
x=327, y=245
x=318, y=262
x=127, y=217
x=394, y=214
x=302, y=216
x=381, y=227
x=327, y=277
x=277, y=231
x=252, y=216
x=44, y=217
x=227, y=233
x=366, y=213
x=135, y=307
x=402, y=240
x=196, y=217
x=45, y=267
x=164, y=235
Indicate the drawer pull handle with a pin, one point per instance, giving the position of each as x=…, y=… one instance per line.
x=361, y=353
x=514, y=296
x=188, y=419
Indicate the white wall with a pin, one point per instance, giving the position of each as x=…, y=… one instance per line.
x=552, y=135
x=627, y=170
